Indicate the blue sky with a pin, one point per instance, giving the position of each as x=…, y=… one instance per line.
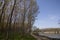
x=49, y=14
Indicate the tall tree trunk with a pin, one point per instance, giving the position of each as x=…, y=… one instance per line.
x=23, y=21
x=30, y=17
x=1, y=15
x=10, y=20
x=2, y=12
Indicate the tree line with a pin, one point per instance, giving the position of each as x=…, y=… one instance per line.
x=17, y=15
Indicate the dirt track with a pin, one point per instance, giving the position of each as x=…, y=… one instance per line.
x=39, y=37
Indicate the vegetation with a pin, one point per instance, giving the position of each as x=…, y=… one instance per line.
x=16, y=36
x=17, y=16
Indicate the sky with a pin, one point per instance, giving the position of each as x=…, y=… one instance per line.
x=49, y=15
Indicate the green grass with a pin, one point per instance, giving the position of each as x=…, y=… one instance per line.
x=16, y=36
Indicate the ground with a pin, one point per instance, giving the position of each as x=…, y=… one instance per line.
x=16, y=36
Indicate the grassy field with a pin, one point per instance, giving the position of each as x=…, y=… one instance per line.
x=16, y=36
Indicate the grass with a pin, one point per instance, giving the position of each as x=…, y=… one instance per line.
x=16, y=36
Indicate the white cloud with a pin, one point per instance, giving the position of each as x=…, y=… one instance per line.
x=53, y=17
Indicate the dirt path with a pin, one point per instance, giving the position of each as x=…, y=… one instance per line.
x=39, y=38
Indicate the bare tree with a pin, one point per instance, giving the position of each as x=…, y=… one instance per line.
x=10, y=20
x=20, y=13
x=32, y=14
x=2, y=15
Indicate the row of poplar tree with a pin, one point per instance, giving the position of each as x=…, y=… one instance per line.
x=17, y=15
